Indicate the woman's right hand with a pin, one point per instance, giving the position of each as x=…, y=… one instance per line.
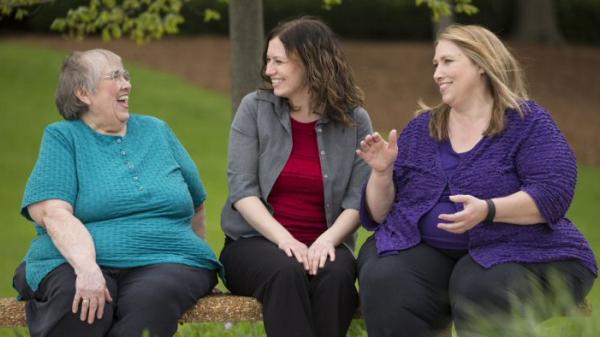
x=297, y=249
x=377, y=153
x=75, y=243
x=91, y=294
x=257, y=215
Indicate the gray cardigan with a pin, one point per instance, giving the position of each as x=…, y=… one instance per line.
x=260, y=143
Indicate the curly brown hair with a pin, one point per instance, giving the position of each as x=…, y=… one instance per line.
x=328, y=76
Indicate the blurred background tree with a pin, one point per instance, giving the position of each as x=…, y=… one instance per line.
x=145, y=20
x=529, y=21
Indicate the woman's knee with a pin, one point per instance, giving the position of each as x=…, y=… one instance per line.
x=173, y=285
x=372, y=275
x=59, y=283
x=496, y=288
x=290, y=272
x=384, y=288
x=377, y=276
x=342, y=270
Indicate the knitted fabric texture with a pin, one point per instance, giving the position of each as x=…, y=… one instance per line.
x=530, y=155
x=135, y=194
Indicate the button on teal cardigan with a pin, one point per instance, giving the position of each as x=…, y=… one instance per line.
x=135, y=194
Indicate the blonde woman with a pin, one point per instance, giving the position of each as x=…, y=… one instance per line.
x=468, y=204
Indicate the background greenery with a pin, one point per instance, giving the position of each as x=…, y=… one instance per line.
x=201, y=120
x=372, y=19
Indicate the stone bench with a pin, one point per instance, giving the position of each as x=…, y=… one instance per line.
x=212, y=308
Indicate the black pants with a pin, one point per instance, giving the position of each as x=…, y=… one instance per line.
x=419, y=291
x=151, y=298
x=294, y=303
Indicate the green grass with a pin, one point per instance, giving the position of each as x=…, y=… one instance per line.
x=584, y=212
x=200, y=118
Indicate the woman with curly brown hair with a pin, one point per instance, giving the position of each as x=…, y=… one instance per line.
x=295, y=183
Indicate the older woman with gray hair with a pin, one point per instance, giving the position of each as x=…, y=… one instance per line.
x=117, y=204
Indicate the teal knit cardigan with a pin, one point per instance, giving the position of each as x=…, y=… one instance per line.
x=135, y=194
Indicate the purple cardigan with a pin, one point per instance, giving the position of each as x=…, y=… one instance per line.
x=530, y=155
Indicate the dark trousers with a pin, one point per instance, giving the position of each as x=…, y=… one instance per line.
x=419, y=291
x=150, y=298
x=294, y=303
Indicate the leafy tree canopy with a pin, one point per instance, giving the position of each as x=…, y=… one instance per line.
x=146, y=20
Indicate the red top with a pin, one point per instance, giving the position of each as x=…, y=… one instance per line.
x=297, y=196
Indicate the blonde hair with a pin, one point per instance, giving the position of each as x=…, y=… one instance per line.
x=503, y=73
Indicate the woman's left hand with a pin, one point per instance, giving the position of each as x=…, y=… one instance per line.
x=318, y=253
x=474, y=211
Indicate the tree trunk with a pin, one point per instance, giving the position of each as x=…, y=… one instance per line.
x=246, y=34
x=536, y=22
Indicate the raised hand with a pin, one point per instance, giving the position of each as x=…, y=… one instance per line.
x=377, y=153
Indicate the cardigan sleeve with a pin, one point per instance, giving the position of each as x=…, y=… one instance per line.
x=360, y=169
x=365, y=216
x=242, y=170
x=546, y=165
x=189, y=170
x=54, y=175
x=403, y=143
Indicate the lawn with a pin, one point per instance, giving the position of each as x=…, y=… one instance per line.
x=200, y=118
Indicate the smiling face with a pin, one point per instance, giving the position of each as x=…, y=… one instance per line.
x=286, y=74
x=108, y=104
x=457, y=77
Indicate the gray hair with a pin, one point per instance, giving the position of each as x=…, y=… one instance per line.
x=80, y=71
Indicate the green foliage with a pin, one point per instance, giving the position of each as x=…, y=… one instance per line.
x=211, y=15
x=146, y=20
x=329, y=4
x=380, y=19
x=441, y=8
x=464, y=6
x=18, y=8
x=142, y=20
x=526, y=314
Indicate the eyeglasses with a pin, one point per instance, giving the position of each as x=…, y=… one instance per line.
x=118, y=75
